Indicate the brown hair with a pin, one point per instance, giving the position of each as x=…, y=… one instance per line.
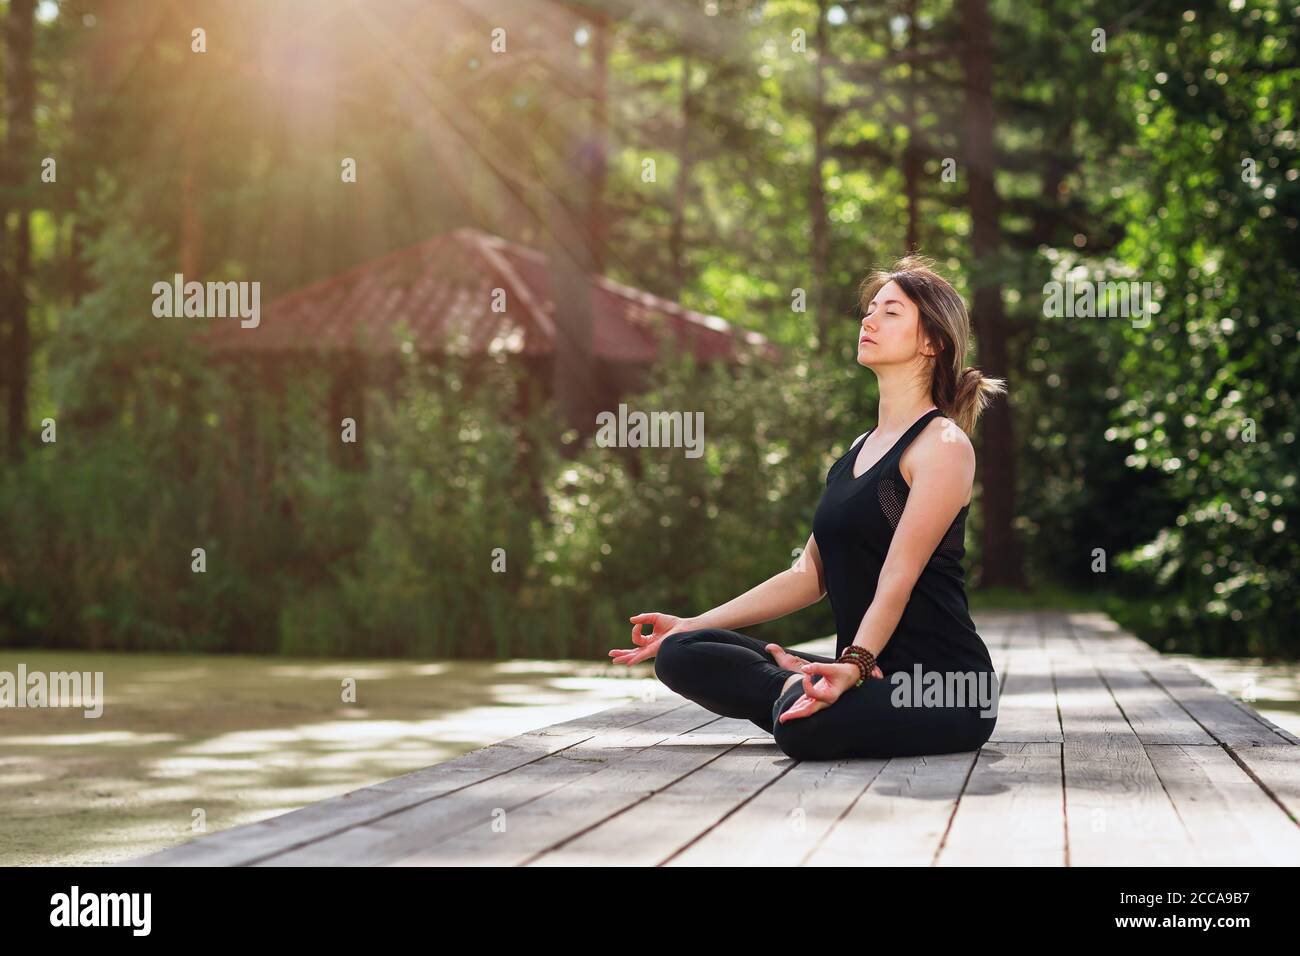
x=960, y=392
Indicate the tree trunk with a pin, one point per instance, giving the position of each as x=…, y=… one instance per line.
x=575, y=255
x=818, y=297
x=597, y=221
x=1003, y=563
x=676, y=235
x=20, y=105
x=912, y=155
x=191, y=230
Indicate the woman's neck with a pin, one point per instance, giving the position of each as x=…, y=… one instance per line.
x=898, y=411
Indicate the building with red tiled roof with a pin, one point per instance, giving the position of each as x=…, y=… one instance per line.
x=442, y=291
x=469, y=293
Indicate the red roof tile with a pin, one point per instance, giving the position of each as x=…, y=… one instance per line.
x=441, y=290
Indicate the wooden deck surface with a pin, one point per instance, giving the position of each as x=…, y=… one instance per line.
x=1105, y=753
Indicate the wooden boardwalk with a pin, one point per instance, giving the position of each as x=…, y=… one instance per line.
x=1105, y=753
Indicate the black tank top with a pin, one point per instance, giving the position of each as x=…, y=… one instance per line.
x=853, y=526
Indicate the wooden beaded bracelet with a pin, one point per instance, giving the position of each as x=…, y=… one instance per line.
x=863, y=658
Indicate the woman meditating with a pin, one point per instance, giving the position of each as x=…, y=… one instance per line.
x=911, y=676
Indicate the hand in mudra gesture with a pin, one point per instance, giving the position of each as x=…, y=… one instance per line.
x=661, y=625
x=820, y=694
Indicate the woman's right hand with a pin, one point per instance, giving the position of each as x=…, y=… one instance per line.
x=661, y=625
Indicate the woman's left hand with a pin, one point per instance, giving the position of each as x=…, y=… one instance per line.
x=836, y=679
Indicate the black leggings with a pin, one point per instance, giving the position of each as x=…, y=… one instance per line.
x=733, y=675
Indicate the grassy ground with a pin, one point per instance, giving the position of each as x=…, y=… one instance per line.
x=1041, y=598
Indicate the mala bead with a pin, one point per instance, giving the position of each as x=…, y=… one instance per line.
x=860, y=656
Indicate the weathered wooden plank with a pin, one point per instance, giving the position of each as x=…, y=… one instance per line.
x=1156, y=718
x=1232, y=822
x=1096, y=632
x=1027, y=700
x=484, y=807
x=1119, y=639
x=242, y=844
x=1191, y=664
x=1229, y=721
x=1277, y=768
x=655, y=829
x=1282, y=732
x=1117, y=812
x=1027, y=632
x=901, y=817
x=1086, y=706
x=1011, y=812
x=781, y=825
x=997, y=630
x=1099, y=625
x=547, y=823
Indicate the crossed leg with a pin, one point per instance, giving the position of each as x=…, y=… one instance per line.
x=869, y=721
x=726, y=672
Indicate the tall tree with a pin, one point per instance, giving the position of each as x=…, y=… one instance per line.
x=821, y=117
x=20, y=110
x=575, y=232
x=1003, y=559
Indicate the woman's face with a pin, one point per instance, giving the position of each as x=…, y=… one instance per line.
x=888, y=332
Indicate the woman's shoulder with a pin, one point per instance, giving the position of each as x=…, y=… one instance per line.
x=941, y=445
x=943, y=431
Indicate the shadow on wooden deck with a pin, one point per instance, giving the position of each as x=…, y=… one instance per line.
x=1105, y=754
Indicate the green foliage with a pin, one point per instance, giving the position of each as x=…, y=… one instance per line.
x=651, y=529
x=1170, y=450
x=1210, y=401
x=444, y=510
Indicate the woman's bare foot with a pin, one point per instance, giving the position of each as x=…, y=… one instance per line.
x=793, y=662
x=784, y=659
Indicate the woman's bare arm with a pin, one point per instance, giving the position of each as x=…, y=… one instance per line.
x=783, y=593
